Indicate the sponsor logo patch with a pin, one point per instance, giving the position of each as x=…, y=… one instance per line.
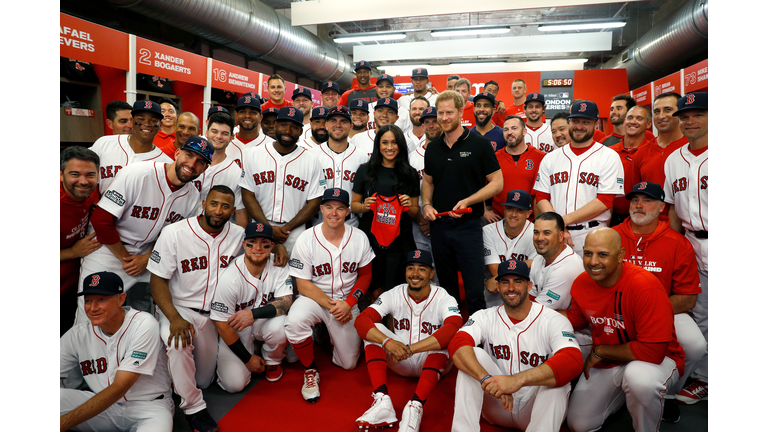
x=322, y=182
x=569, y=335
x=620, y=180
x=219, y=307
x=115, y=197
x=139, y=354
x=553, y=295
x=453, y=309
x=295, y=263
x=465, y=154
x=155, y=256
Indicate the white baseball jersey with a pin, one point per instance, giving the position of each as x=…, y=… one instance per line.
x=306, y=131
x=416, y=321
x=282, y=184
x=143, y=203
x=572, y=181
x=136, y=348
x=236, y=148
x=499, y=248
x=687, y=187
x=194, y=261
x=405, y=100
x=515, y=348
x=552, y=283
x=541, y=138
x=239, y=290
x=332, y=269
x=418, y=142
x=115, y=154
x=308, y=143
x=227, y=173
x=339, y=169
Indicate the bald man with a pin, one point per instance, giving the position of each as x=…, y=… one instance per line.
x=187, y=125
x=635, y=356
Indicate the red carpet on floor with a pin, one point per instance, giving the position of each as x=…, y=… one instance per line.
x=344, y=396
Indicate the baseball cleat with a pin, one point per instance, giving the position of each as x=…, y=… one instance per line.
x=671, y=411
x=694, y=393
x=274, y=373
x=381, y=414
x=201, y=422
x=311, y=390
x=411, y=417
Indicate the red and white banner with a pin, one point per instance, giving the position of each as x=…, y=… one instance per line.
x=696, y=77
x=232, y=78
x=89, y=42
x=153, y=58
x=670, y=83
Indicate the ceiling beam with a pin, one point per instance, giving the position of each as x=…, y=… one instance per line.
x=335, y=11
x=502, y=46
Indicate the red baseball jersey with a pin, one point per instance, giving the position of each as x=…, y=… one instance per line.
x=621, y=205
x=649, y=161
x=518, y=110
x=468, y=116
x=517, y=175
x=636, y=308
x=385, y=226
x=665, y=253
x=73, y=221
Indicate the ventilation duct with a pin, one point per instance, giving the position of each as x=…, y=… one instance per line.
x=680, y=35
x=253, y=28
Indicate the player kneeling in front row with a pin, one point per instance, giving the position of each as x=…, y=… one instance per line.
x=332, y=266
x=123, y=362
x=425, y=318
x=521, y=378
x=251, y=302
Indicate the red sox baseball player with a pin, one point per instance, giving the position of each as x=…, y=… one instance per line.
x=121, y=359
x=251, y=301
x=425, y=318
x=579, y=181
x=537, y=132
x=248, y=114
x=332, y=266
x=520, y=378
x=187, y=263
x=282, y=183
x=686, y=189
x=144, y=198
x=118, y=151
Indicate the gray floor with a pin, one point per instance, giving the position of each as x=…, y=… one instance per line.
x=693, y=417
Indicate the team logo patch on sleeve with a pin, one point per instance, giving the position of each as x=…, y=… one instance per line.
x=219, y=307
x=378, y=301
x=139, y=355
x=115, y=197
x=469, y=322
x=155, y=256
x=486, y=252
x=242, y=173
x=295, y=263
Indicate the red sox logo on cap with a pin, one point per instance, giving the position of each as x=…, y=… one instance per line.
x=291, y=112
x=535, y=96
x=259, y=227
x=689, y=99
x=94, y=280
x=359, y=102
x=418, y=71
x=147, y=104
x=322, y=111
x=417, y=254
x=218, y=108
x=203, y=145
x=516, y=197
x=512, y=265
x=247, y=100
x=582, y=107
x=642, y=185
x=386, y=101
x=362, y=62
x=327, y=84
x=336, y=192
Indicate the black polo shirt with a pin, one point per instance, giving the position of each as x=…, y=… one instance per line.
x=459, y=171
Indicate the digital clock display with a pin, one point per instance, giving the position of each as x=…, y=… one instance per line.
x=557, y=82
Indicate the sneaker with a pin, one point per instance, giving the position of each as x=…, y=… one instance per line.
x=693, y=393
x=311, y=390
x=381, y=414
x=411, y=417
x=671, y=411
x=274, y=373
x=201, y=421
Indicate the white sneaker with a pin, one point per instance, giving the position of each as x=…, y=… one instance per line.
x=411, y=417
x=381, y=413
x=311, y=390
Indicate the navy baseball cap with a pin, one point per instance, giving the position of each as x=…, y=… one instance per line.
x=429, y=112
x=419, y=72
x=653, y=190
x=292, y=114
x=419, y=256
x=146, y=106
x=258, y=229
x=697, y=101
x=199, y=145
x=339, y=110
x=518, y=198
x=385, y=77
x=215, y=109
x=387, y=102
x=270, y=111
x=484, y=95
x=535, y=97
x=319, y=112
x=513, y=267
x=301, y=91
x=248, y=102
x=362, y=64
x=585, y=109
x=331, y=86
x=358, y=104
x=106, y=283
x=336, y=194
